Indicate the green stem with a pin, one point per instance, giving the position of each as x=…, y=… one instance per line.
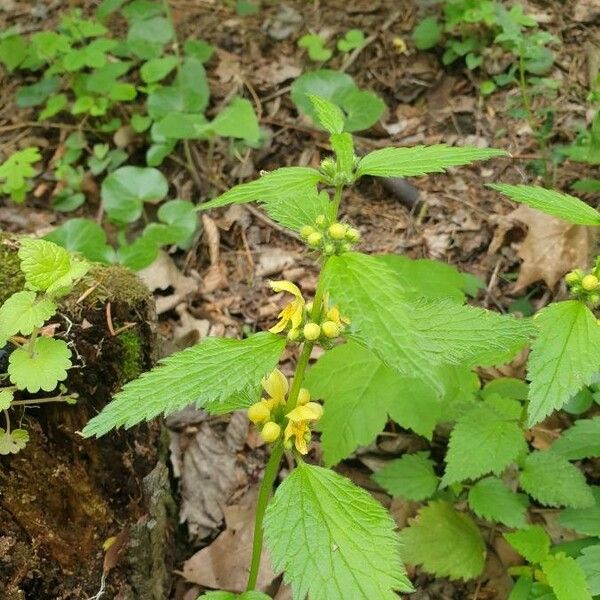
x=6, y=416
x=337, y=198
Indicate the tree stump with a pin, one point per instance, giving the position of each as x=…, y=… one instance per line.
x=63, y=497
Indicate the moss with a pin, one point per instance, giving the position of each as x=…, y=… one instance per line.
x=131, y=357
x=11, y=278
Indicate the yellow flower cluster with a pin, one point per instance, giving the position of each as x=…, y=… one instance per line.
x=295, y=318
x=330, y=238
x=270, y=414
x=586, y=287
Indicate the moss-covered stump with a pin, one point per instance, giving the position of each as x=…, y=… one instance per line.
x=62, y=497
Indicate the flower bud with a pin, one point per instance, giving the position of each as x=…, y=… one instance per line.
x=293, y=335
x=590, y=283
x=321, y=220
x=329, y=249
x=345, y=247
x=337, y=231
x=594, y=299
x=259, y=413
x=314, y=239
x=330, y=329
x=303, y=396
x=312, y=331
x=309, y=306
x=572, y=277
x=270, y=432
x=306, y=231
x=353, y=235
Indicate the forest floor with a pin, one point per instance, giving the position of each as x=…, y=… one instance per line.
x=219, y=287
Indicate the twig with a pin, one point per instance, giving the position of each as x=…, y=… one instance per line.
x=356, y=52
x=109, y=322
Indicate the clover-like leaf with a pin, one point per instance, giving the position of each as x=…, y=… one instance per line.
x=22, y=312
x=41, y=367
x=6, y=397
x=13, y=442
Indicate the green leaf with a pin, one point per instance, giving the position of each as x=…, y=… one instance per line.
x=315, y=45
x=156, y=69
x=412, y=335
x=231, y=596
x=182, y=126
x=566, y=578
x=13, y=51
x=427, y=33
x=564, y=356
x=329, y=115
x=54, y=105
x=554, y=481
x=181, y=216
x=142, y=252
x=532, y=543
x=362, y=109
x=147, y=37
x=482, y=441
x=583, y=520
x=491, y=500
x=37, y=93
x=13, y=442
x=197, y=375
x=237, y=120
x=85, y=236
x=419, y=160
x=22, y=313
x=15, y=171
x=42, y=368
x=343, y=146
x=587, y=186
x=580, y=441
x=48, y=267
x=359, y=392
x=353, y=39
x=199, y=49
x=589, y=562
x=551, y=202
x=444, y=542
x=507, y=387
x=332, y=540
x=6, y=398
x=274, y=186
x=296, y=211
x=126, y=189
x=411, y=477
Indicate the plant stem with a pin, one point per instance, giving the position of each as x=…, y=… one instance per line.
x=6, y=416
x=337, y=198
x=272, y=469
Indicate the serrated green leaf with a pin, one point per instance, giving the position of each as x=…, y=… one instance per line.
x=445, y=542
x=482, y=441
x=507, y=387
x=16, y=170
x=522, y=589
x=332, y=540
x=48, y=267
x=491, y=500
x=566, y=578
x=157, y=68
x=554, y=481
x=551, y=202
x=13, y=442
x=274, y=186
x=232, y=596
x=40, y=368
x=22, y=312
x=532, y=543
x=343, y=146
x=589, y=562
x=580, y=441
x=583, y=520
x=411, y=477
x=295, y=212
x=329, y=115
x=412, y=335
x=359, y=392
x=564, y=356
x=214, y=370
x=6, y=398
x=419, y=160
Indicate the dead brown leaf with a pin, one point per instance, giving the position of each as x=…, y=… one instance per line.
x=224, y=564
x=551, y=248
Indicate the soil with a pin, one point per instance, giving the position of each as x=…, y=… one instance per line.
x=63, y=497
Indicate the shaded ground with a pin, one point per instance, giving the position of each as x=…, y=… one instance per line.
x=218, y=287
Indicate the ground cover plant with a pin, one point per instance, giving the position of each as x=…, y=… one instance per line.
x=371, y=238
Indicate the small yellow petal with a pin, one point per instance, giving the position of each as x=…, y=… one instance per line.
x=270, y=432
x=311, y=411
x=303, y=396
x=276, y=385
x=259, y=412
x=286, y=286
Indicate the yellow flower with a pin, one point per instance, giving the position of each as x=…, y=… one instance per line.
x=333, y=314
x=276, y=385
x=297, y=427
x=294, y=311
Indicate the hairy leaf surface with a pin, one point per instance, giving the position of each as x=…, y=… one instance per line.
x=411, y=477
x=491, y=500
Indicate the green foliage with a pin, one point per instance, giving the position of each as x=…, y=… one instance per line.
x=585, y=521
x=532, y=543
x=197, y=375
x=230, y=596
x=589, y=563
x=483, y=441
x=444, y=542
x=551, y=202
x=419, y=160
x=362, y=109
x=12, y=442
x=315, y=46
x=353, y=39
x=580, y=441
x=427, y=33
x=411, y=477
x=15, y=172
x=340, y=520
x=491, y=500
x=564, y=357
x=565, y=577
x=553, y=481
